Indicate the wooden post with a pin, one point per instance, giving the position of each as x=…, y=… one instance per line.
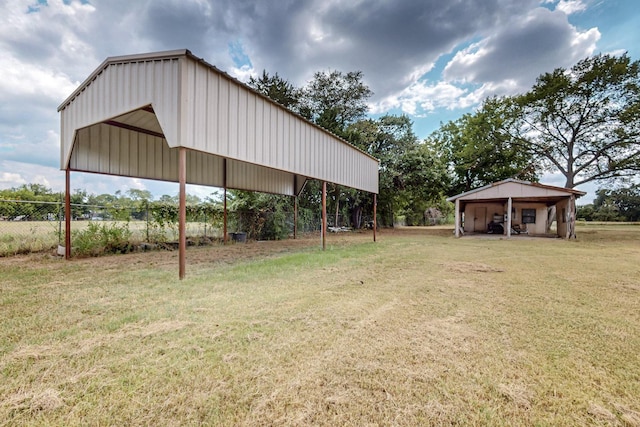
x=182, y=212
x=324, y=215
x=457, y=218
x=224, y=202
x=375, y=215
x=509, y=207
x=571, y=212
x=67, y=214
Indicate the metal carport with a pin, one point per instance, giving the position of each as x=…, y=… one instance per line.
x=171, y=116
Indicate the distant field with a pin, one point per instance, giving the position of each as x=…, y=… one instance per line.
x=18, y=237
x=419, y=328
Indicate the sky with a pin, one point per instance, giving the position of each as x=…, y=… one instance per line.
x=432, y=60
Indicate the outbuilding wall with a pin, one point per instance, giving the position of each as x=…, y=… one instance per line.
x=474, y=225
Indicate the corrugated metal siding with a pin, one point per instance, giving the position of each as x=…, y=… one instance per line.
x=202, y=109
x=115, y=151
x=221, y=116
x=122, y=88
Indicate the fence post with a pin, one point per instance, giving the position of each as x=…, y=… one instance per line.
x=60, y=219
x=147, y=217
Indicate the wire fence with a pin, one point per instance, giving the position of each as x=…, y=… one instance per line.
x=37, y=226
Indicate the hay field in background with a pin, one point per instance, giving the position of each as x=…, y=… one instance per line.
x=419, y=328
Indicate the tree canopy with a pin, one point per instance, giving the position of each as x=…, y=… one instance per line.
x=478, y=151
x=334, y=99
x=276, y=88
x=583, y=122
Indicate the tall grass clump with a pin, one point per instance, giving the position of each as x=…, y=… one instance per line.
x=99, y=239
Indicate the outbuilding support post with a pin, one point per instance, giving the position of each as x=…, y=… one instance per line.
x=457, y=218
x=182, y=212
x=509, y=207
x=375, y=215
x=571, y=212
x=67, y=214
x=324, y=215
x=224, y=202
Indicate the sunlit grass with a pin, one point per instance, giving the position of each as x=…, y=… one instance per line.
x=417, y=329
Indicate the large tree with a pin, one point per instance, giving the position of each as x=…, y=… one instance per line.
x=478, y=152
x=334, y=100
x=411, y=176
x=583, y=122
x=277, y=88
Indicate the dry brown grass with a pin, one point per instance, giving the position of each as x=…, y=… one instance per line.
x=417, y=329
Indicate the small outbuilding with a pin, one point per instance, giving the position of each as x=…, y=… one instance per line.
x=516, y=207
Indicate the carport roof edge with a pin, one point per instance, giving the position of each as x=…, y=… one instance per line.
x=187, y=53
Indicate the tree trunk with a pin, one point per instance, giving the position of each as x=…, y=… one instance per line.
x=551, y=216
x=356, y=217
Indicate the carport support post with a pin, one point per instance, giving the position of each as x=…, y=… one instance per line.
x=67, y=214
x=182, y=211
x=509, y=206
x=224, y=202
x=324, y=215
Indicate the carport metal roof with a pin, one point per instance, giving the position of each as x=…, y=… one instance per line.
x=163, y=114
x=131, y=113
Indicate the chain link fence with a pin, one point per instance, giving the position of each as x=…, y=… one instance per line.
x=35, y=226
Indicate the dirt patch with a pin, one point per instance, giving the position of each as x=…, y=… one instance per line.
x=471, y=267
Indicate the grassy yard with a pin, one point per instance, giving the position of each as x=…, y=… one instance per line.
x=419, y=328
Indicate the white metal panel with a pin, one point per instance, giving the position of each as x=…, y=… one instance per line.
x=198, y=107
x=111, y=150
x=252, y=129
x=246, y=176
x=110, y=92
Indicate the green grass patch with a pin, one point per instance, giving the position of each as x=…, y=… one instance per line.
x=417, y=329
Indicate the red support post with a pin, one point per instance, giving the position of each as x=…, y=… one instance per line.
x=182, y=212
x=67, y=214
x=224, y=202
x=324, y=215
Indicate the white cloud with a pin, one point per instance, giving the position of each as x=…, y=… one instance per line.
x=571, y=6
x=10, y=179
x=21, y=79
x=510, y=59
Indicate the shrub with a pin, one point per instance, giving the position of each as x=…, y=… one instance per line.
x=99, y=239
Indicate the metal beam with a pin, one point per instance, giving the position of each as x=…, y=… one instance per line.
x=67, y=214
x=224, y=201
x=182, y=212
x=324, y=215
x=134, y=128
